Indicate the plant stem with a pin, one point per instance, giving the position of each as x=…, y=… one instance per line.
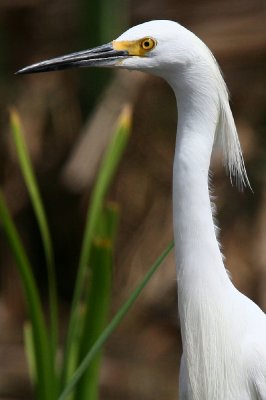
x=112, y=325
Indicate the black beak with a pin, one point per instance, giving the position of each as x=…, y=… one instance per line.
x=104, y=55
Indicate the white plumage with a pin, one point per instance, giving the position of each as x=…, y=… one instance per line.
x=223, y=332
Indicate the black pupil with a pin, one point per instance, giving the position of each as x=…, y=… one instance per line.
x=147, y=44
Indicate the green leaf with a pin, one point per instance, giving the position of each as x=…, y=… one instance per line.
x=96, y=314
x=32, y=186
x=98, y=298
x=108, y=167
x=29, y=346
x=112, y=325
x=46, y=387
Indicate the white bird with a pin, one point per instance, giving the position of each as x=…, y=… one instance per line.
x=223, y=331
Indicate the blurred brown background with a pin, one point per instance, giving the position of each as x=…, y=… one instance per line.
x=67, y=118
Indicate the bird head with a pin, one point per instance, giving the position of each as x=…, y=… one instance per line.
x=169, y=50
x=157, y=47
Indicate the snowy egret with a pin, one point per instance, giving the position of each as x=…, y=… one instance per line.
x=223, y=332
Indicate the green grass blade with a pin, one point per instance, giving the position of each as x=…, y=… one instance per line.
x=32, y=186
x=113, y=324
x=46, y=389
x=107, y=226
x=98, y=298
x=30, y=354
x=97, y=308
x=108, y=168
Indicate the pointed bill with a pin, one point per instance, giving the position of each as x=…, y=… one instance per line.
x=105, y=55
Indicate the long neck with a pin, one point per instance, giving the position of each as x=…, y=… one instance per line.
x=204, y=287
x=198, y=256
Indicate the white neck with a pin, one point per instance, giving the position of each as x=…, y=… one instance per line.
x=198, y=255
x=203, y=283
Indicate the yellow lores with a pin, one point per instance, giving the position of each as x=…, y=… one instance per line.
x=135, y=47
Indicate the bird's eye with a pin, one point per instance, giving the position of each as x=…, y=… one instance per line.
x=148, y=43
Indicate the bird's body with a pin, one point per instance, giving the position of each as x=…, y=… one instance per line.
x=223, y=332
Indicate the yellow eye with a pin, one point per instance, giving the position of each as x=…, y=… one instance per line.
x=148, y=43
